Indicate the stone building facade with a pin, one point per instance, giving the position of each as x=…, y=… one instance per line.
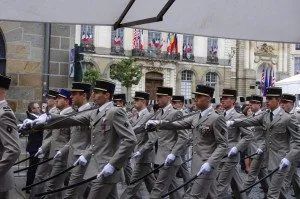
x=22, y=56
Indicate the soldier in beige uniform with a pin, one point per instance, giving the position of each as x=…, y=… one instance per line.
x=9, y=142
x=79, y=140
x=171, y=144
x=279, y=128
x=144, y=162
x=209, y=142
x=57, y=140
x=44, y=170
x=112, y=141
x=183, y=172
x=287, y=103
x=120, y=101
x=258, y=161
x=238, y=140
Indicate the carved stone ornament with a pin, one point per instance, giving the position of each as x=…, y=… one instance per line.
x=265, y=49
x=265, y=53
x=152, y=68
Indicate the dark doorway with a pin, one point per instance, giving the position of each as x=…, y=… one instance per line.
x=2, y=54
x=153, y=80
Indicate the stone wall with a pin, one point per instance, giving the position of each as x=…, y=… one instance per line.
x=24, y=53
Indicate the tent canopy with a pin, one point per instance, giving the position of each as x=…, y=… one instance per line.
x=265, y=20
x=290, y=80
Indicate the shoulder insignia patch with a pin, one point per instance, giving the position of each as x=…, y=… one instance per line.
x=7, y=108
x=126, y=124
x=9, y=129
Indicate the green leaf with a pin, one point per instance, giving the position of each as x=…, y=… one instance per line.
x=91, y=75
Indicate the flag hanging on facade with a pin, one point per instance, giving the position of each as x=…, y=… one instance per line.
x=266, y=80
x=138, y=39
x=262, y=82
x=274, y=77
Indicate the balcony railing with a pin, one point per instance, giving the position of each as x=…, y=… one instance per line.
x=117, y=50
x=188, y=57
x=155, y=54
x=87, y=48
x=212, y=60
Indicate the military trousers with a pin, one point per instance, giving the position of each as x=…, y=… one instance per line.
x=293, y=179
x=228, y=175
x=10, y=194
x=184, y=172
x=276, y=183
x=75, y=177
x=43, y=171
x=127, y=172
x=103, y=190
x=140, y=169
x=203, y=187
x=59, y=165
x=257, y=171
x=166, y=181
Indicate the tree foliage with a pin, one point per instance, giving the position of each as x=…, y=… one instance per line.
x=126, y=71
x=91, y=75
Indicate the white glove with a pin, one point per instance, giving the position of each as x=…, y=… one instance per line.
x=284, y=163
x=106, y=171
x=80, y=161
x=41, y=119
x=259, y=151
x=40, y=153
x=205, y=168
x=229, y=123
x=170, y=159
x=26, y=123
x=233, y=151
x=57, y=155
x=137, y=155
x=152, y=122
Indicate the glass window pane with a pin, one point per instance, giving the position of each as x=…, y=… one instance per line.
x=87, y=34
x=297, y=65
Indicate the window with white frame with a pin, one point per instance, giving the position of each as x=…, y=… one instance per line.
x=297, y=46
x=87, y=34
x=187, y=47
x=212, y=50
x=186, y=83
x=211, y=79
x=117, y=41
x=297, y=65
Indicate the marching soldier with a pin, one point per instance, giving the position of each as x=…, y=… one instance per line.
x=258, y=161
x=178, y=104
x=170, y=146
x=238, y=140
x=44, y=170
x=144, y=162
x=287, y=103
x=209, y=142
x=58, y=139
x=9, y=142
x=112, y=141
x=120, y=101
x=79, y=140
x=279, y=128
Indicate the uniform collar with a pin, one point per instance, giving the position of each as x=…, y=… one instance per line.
x=83, y=107
x=229, y=111
x=66, y=110
x=142, y=111
x=35, y=115
x=203, y=113
x=169, y=106
x=105, y=105
x=258, y=112
x=293, y=111
x=276, y=111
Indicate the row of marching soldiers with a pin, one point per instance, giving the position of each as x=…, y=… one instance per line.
x=95, y=144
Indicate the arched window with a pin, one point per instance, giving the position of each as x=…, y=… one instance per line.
x=186, y=83
x=2, y=54
x=212, y=80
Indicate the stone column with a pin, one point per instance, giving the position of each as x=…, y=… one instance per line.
x=251, y=54
x=77, y=34
x=246, y=54
x=285, y=58
x=280, y=57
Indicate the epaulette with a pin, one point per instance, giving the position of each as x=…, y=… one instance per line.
x=7, y=108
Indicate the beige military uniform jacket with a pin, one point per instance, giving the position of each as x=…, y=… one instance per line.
x=278, y=134
x=112, y=139
x=210, y=142
x=240, y=137
x=80, y=139
x=59, y=137
x=9, y=146
x=169, y=141
x=258, y=135
x=143, y=137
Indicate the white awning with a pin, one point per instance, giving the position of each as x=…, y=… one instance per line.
x=265, y=20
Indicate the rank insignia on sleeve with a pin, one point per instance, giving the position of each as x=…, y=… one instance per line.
x=126, y=124
x=6, y=108
x=9, y=129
